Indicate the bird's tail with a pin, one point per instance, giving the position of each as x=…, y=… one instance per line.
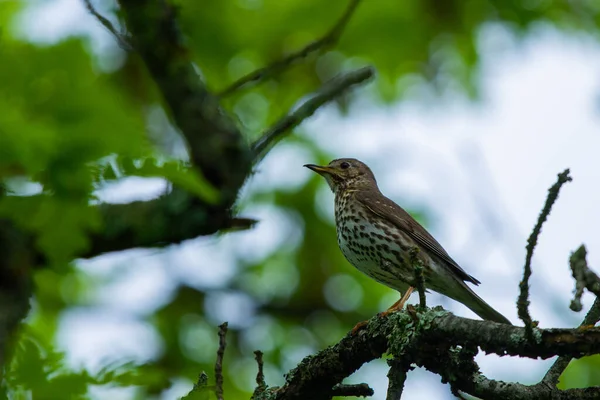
x=480, y=307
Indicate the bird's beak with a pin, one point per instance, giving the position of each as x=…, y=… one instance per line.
x=320, y=170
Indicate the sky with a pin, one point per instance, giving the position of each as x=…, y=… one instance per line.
x=481, y=170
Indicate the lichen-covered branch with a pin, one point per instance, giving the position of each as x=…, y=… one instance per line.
x=219, y=361
x=261, y=385
x=463, y=375
x=431, y=342
x=523, y=301
x=585, y=278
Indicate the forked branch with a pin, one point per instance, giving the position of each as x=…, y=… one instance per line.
x=329, y=39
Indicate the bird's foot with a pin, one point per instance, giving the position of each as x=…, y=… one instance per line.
x=399, y=305
x=358, y=327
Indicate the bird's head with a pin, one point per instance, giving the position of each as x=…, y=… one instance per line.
x=345, y=173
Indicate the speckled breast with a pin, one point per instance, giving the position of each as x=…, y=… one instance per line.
x=371, y=245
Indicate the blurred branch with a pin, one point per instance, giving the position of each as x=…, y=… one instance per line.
x=261, y=385
x=396, y=378
x=216, y=146
x=201, y=389
x=523, y=301
x=16, y=267
x=584, y=277
x=123, y=41
x=219, y=362
x=179, y=215
x=170, y=219
x=329, y=91
x=270, y=70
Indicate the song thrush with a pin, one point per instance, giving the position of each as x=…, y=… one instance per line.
x=376, y=236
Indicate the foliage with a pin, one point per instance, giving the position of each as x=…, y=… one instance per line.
x=38, y=369
x=68, y=128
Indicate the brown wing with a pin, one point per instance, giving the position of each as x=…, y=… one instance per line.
x=390, y=211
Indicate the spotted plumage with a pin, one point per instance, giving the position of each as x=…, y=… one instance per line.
x=376, y=235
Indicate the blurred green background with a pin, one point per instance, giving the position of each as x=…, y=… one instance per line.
x=80, y=116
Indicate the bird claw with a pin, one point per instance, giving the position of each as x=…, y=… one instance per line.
x=399, y=305
x=412, y=311
x=359, y=326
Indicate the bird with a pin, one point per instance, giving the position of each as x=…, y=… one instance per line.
x=377, y=236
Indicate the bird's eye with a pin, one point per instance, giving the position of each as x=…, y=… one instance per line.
x=344, y=165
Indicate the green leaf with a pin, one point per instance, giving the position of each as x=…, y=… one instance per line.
x=581, y=373
x=60, y=225
x=176, y=172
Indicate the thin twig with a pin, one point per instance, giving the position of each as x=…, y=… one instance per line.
x=358, y=390
x=561, y=363
x=523, y=301
x=578, y=264
x=329, y=91
x=123, y=41
x=419, y=278
x=261, y=385
x=219, y=362
x=329, y=39
x=396, y=377
x=584, y=277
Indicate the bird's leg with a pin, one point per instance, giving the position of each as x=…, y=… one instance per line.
x=399, y=305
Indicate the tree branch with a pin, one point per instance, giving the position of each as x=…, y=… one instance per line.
x=123, y=41
x=216, y=146
x=429, y=343
x=523, y=301
x=584, y=277
x=329, y=91
x=16, y=268
x=478, y=385
x=396, y=377
x=329, y=39
x=461, y=371
x=170, y=219
x=359, y=390
x=219, y=361
x=559, y=366
x=261, y=385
